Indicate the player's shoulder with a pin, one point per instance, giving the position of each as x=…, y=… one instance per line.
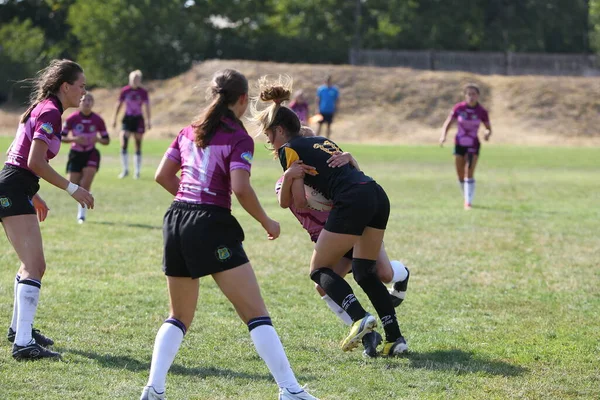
x=460, y=105
x=73, y=116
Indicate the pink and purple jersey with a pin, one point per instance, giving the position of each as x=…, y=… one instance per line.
x=86, y=126
x=133, y=98
x=468, y=119
x=43, y=124
x=301, y=110
x=205, y=173
x=311, y=220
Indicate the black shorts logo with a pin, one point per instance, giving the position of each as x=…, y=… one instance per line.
x=223, y=253
x=5, y=202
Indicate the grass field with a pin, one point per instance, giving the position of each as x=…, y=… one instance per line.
x=503, y=302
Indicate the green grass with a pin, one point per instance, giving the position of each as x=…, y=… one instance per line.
x=503, y=300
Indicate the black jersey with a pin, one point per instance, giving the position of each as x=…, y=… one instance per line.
x=315, y=151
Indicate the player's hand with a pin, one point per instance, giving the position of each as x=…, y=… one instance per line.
x=487, y=135
x=41, y=208
x=149, y=125
x=442, y=140
x=83, y=197
x=80, y=140
x=272, y=228
x=339, y=159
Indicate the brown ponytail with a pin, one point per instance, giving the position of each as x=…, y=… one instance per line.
x=275, y=114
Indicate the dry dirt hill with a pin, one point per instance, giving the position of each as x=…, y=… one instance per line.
x=391, y=104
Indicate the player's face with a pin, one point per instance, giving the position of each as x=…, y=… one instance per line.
x=86, y=104
x=136, y=82
x=73, y=93
x=275, y=137
x=471, y=96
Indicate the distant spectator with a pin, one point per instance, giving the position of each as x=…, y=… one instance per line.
x=300, y=106
x=327, y=99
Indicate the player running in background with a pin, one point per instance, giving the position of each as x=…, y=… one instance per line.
x=60, y=85
x=357, y=220
x=201, y=237
x=87, y=129
x=134, y=96
x=300, y=106
x=468, y=114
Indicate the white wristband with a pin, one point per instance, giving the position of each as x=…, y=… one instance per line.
x=71, y=188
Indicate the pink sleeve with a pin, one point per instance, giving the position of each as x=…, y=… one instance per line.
x=47, y=125
x=173, y=153
x=122, y=94
x=145, y=98
x=102, y=128
x=67, y=127
x=454, y=112
x=242, y=154
x=484, y=116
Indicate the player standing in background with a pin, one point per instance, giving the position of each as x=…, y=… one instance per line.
x=60, y=85
x=328, y=98
x=300, y=106
x=87, y=129
x=134, y=96
x=357, y=220
x=201, y=237
x=468, y=114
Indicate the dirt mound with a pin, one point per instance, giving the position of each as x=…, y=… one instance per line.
x=397, y=104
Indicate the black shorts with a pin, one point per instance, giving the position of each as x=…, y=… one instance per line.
x=17, y=187
x=327, y=118
x=200, y=240
x=78, y=160
x=463, y=150
x=359, y=206
x=133, y=123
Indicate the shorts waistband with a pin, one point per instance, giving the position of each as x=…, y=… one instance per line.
x=182, y=205
x=22, y=170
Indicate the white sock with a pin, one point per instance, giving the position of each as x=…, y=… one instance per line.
x=466, y=190
x=471, y=191
x=125, y=161
x=81, y=211
x=138, y=163
x=400, y=272
x=13, y=323
x=166, y=345
x=269, y=348
x=28, y=294
x=462, y=187
x=337, y=310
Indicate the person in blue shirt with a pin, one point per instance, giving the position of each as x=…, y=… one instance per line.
x=327, y=98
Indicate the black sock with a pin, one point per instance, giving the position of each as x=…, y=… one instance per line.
x=366, y=277
x=340, y=291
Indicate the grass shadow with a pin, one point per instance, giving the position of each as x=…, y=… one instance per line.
x=462, y=362
x=129, y=225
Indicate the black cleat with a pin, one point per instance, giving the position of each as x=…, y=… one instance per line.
x=33, y=351
x=35, y=334
x=398, y=291
x=370, y=341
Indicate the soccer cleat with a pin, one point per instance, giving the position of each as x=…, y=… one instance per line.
x=33, y=351
x=35, y=334
x=398, y=290
x=467, y=206
x=136, y=175
x=80, y=220
x=370, y=341
x=123, y=174
x=359, y=329
x=394, y=349
x=285, y=394
x=149, y=393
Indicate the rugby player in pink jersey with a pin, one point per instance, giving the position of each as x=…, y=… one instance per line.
x=313, y=221
x=60, y=85
x=134, y=96
x=300, y=106
x=202, y=237
x=468, y=115
x=87, y=129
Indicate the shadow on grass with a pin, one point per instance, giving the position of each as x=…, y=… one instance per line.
x=133, y=365
x=461, y=362
x=124, y=224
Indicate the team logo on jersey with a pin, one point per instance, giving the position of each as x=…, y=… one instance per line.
x=5, y=202
x=92, y=128
x=47, y=127
x=79, y=127
x=223, y=253
x=248, y=157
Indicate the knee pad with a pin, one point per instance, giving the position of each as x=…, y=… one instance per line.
x=322, y=274
x=363, y=269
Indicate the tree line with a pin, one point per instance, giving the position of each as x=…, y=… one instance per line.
x=164, y=37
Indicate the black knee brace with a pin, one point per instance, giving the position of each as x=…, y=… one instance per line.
x=363, y=269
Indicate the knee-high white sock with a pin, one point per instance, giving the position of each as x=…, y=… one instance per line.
x=125, y=160
x=467, y=190
x=166, y=345
x=400, y=272
x=269, y=348
x=13, y=323
x=81, y=211
x=138, y=162
x=337, y=310
x=471, y=190
x=28, y=294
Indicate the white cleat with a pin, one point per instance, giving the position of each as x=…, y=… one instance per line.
x=80, y=220
x=123, y=174
x=285, y=394
x=136, y=175
x=150, y=394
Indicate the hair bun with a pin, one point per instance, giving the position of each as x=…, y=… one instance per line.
x=276, y=94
